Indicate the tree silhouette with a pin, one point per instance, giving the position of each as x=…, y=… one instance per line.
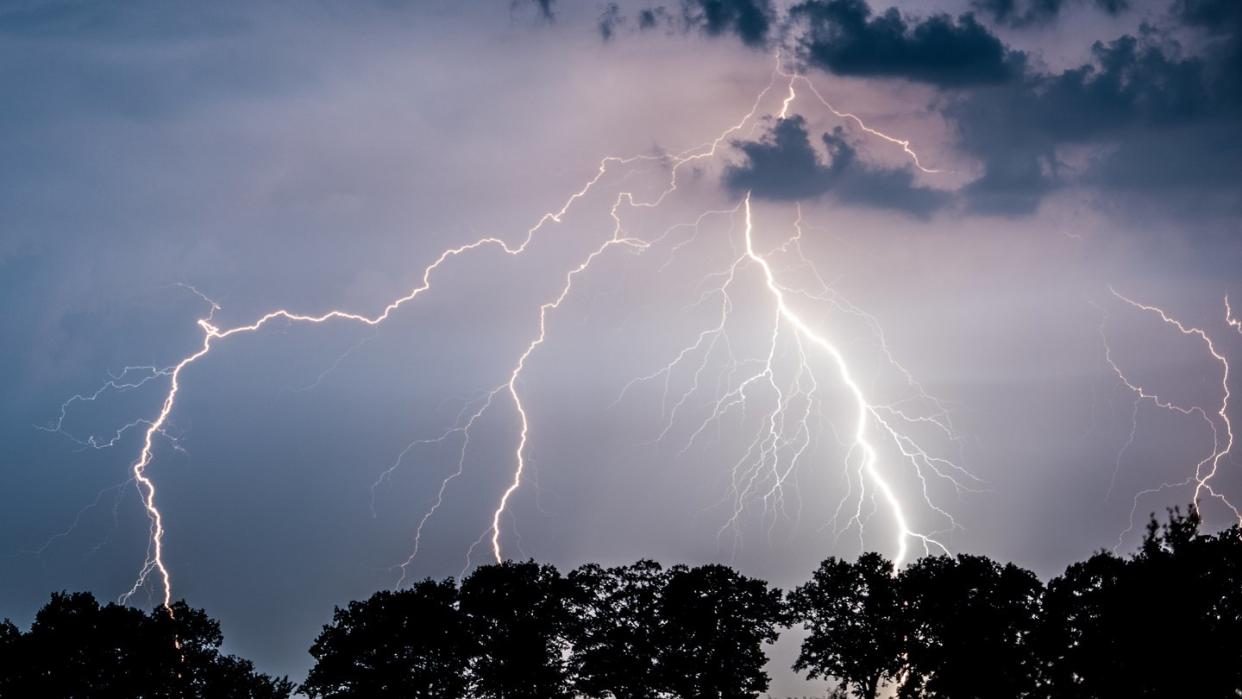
x=971, y=627
x=1086, y=624
x=1165, y=622
x=855, y=623
x=411, y=643
x=616, y=644
x=714, y=622
x=10, y=663
x=78, y=649
x=1162, y=623
x=522, y=624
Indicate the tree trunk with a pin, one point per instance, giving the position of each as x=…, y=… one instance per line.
x=873, y=685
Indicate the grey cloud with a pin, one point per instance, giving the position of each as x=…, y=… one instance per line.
x=1163, y=117
x=843, y=37
x=545, y=7
x=1113, y=7
x=609, y=20
x=652, y=17
x=1012, y=184
x=750, y=21
x=783, y=166
x=1019, y=13
x=1219, y=16
x=1028, y=13
x=1143, y=113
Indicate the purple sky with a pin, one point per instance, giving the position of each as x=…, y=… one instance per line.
x=320, y=155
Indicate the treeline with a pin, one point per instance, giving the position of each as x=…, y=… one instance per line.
x=1163, y=622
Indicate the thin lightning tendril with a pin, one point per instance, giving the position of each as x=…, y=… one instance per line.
x=1207, y=467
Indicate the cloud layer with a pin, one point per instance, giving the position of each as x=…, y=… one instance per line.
x=1151, y=109
x=843, y=37
x=783, y=166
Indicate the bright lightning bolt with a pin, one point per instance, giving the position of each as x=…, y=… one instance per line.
x=904, y=143
x=788, y=423
x=154, y=562
x=867, y=416
x=1218, y=420
x=786, y=435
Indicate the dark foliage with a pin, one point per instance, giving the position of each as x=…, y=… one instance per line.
x=1152, y=626
x=520, y=617
x=521, y=631
x=78, y=649
x=411, y=643
x=1165, y=622
x=971, y=626
x=617, y=641
x=714, y=622
x=857, y=627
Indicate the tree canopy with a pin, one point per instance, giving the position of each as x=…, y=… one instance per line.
x=522, y=631
x=971, y=624
x=617, y=639
x=1153, y=625
x=715, y=622
x=519, y=615
x=79, y=649
x=855, y=622
x=411, y=643
x=1165, y=621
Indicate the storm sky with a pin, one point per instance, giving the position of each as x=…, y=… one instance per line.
x=320, y=155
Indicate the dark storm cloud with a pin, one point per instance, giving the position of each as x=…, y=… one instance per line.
x=1154, y=115
x=751, y=21
x=1146, y=114
x=1163, y=119
x=1030, y=13
x=783, y=166
x=1214, y=15
x=1113, y=7
x=843, y=37
x=1019, y=13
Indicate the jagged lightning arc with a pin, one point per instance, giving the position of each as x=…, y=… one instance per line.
x=1217, y=420
x=869, y=418
x=866, y=413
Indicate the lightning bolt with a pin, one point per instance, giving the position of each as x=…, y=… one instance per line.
x=869, y=417
x=786, y=425
x=154, y=562
x=1217, y=420
x=787, y=428
x=904, y=143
